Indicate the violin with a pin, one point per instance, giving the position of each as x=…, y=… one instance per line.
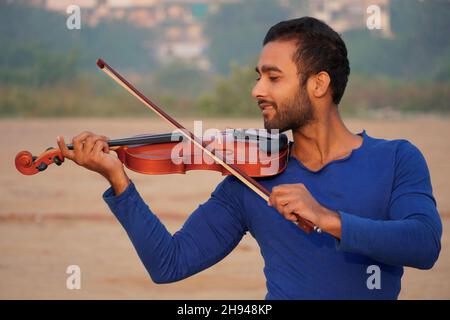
x=258, y=154
x=149, y=154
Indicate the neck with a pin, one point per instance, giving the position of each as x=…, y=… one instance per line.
x=323, y=140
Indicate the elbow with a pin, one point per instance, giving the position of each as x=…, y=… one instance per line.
x=158, y=280
x=165, y=277
x=161, y=279
x=429, y=259
x=429, y=247
x=429, y=254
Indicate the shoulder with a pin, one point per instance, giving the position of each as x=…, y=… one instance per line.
x=230, y=191
x=404, y=154
x=229, y=194
x=231, y=186
x=400, y=148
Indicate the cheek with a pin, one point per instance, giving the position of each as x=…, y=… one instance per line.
x=287, y=94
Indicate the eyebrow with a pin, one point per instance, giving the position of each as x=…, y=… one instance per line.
x=267, y=68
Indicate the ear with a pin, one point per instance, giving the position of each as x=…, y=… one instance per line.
x=319, y=84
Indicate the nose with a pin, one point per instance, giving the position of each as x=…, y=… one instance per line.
x=258, y=90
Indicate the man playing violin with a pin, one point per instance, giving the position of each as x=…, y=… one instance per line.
x=372, y=198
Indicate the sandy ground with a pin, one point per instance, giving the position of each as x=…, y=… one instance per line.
x=57, y=218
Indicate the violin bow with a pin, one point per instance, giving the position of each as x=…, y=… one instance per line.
x=306, y=225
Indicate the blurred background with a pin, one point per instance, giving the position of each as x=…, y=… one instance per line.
x=196, y=59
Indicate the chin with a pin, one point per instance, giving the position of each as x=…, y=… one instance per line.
x=270, y=126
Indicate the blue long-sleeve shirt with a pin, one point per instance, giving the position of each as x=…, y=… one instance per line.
x=382, y=192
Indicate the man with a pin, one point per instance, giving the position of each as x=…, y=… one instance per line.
x=372, y=198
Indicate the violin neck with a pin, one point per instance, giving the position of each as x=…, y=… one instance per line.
x=144, y=139
x=238, y=135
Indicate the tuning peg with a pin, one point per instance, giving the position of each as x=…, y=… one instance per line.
x=42, y=166
x=57, y=160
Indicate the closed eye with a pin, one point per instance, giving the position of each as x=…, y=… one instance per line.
x=270, y=78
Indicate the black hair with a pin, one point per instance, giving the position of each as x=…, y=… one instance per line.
x=319, y=48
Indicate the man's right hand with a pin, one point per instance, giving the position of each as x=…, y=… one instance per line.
x=91, y=151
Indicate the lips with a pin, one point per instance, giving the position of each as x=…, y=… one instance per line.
x=264, y=106
x=266, y=109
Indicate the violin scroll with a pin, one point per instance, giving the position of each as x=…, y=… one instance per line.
x=28, y=164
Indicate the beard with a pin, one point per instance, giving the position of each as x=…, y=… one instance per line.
x=293, y=114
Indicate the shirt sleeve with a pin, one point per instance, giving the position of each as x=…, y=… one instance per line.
x=412, y=235
x=210, y=233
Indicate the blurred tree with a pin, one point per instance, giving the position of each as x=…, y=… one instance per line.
x=232, y=94
x=237, y=30
x=182, y=79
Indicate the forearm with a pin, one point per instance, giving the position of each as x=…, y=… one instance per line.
x=413, y=242
x=151, y=240
x=204, y=239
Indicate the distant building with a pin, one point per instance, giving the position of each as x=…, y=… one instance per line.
x=344, y=15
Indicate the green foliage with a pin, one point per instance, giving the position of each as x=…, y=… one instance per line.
x=83, y=95
x=232, y=95
x=367, y=94
x=33, y=65
x=182, y=80
x=237, y=30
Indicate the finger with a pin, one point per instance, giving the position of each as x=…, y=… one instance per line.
x=104, y=139
x=274, y=201
x=288, y=213
x=105, y=146
x=99, y=146
x=89, y=143
x=292, y=217
x=281, y=189
x=280, y=201
x=274, y=196
x=78, y=145
x=288, y=188
x=69, y=154
x=79, y=140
